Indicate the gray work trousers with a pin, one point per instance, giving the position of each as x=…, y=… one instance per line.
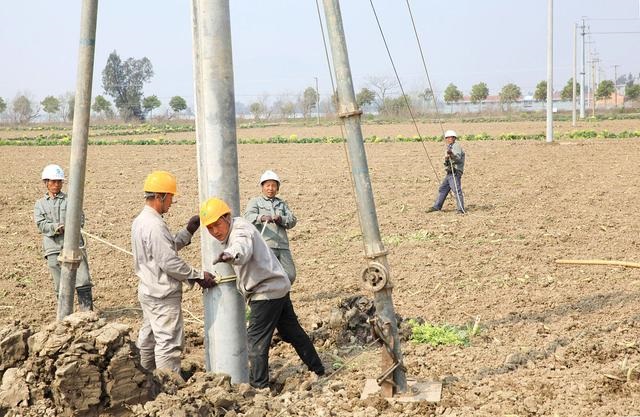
x=447, y=186
x=83, y=278
x=161, y=336
x=286, y=260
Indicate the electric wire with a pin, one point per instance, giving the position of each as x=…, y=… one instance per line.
x=404, y=95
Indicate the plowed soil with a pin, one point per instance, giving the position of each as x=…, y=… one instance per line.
x=554, y=339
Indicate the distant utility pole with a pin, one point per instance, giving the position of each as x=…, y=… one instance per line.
x=550, y=71
x=575, y=55
x=317, y=102
x=615, y=84
x=582, y=74
x=594, y=63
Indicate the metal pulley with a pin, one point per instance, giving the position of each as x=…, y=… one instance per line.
x=375, y=276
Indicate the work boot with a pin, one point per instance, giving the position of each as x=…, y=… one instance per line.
x=85, y=298
x=432, y=209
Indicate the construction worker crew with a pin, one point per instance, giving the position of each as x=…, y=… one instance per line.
x=161, y=273
x=265, y=286
x=454, y=167
x=49, y=214
x=272, y=216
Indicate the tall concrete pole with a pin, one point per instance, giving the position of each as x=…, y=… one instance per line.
x=317, y=103
x=71, y=254
x=575, y=58
x=224, y=311
x=550, y=71
x=374, y=249
x=583, y=85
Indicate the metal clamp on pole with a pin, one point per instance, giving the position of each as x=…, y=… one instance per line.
x=71, y=258
x=375, y=277
x=382, y=331
x=349, y=110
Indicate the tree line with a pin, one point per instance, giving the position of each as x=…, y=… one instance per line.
x=123, y=82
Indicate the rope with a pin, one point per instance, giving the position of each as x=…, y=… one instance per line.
x=404, y=95
x=105, y=242
x=598, y=262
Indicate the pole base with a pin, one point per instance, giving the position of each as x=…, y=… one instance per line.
x=430, y=391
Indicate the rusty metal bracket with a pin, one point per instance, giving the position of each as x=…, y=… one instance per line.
x=375, y=276
x=381, y=330
x=376, y=254
x=344, y=115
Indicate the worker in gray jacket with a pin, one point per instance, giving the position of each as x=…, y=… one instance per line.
x=49, y=214
x=265, y=286
x=272, y=216
x=454, y=167
x=162, y=272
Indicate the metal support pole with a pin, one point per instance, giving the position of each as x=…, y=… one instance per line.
x=582, y=73
x=575, y=58
x=350, y=114
x=550, y=71
x=71, y=254
x=224, y=311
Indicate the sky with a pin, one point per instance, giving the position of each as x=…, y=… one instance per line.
x=278, y=49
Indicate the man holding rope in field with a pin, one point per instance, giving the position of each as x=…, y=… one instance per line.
x=454, y=167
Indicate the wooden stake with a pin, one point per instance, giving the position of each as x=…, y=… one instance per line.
x=597, y=262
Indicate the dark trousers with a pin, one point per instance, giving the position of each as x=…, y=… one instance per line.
x=266, y=316
x=448, y=185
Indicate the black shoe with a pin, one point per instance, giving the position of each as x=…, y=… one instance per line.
x=432, y=209
x=460, y=212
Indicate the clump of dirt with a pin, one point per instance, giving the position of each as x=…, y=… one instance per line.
x=82, y=364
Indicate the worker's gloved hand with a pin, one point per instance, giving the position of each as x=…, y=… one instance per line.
x=208, y=280
x=266, y=218
x=277, y=219
x=449, y=152
x=59, y=230
x=224, y=257
x=193, y=224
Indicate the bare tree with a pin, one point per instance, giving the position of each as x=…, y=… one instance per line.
x=382, y=87
x=22, y=109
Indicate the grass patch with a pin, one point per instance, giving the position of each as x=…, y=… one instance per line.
x=444, y=335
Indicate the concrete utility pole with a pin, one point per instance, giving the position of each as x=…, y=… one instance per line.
x=71, y=255
x=550, y=71
x=377, y=275
x=594, y=62
x=575, y=57
x=615, y=85
x=225, y=334
x=582, y=73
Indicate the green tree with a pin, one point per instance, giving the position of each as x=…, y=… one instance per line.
x=3, y=105
x=257, y=109
x=479, y=93
x=309, y=100
x=396, y=106
x=124, y=82
x=510, y=93
x=631, y=92
x=452, y=95
x=177, y=104
x=567, y=92
x=149, y=103
x=102, y=105
x=541, y=91
x=365, y=97
x=605, y=89
x=23, y=111
x=50, y=105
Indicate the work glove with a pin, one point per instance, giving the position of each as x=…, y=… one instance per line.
x=193, y=224
x=277, y=219
x=266, y=218
x=59, y=229
x=224, y=257
x=208, y=280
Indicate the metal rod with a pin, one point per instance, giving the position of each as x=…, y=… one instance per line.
x=350, y=114
x=550, y=71
x=575, y=58
x=224, y=318
x=71, y=253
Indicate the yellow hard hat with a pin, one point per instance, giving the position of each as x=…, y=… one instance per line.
x=160, y=182
x=212, y=209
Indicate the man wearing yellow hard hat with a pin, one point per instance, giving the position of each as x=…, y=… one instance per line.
x=265, y=286
x=161, y=272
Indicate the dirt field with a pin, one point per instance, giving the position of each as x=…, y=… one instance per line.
x=555, y=340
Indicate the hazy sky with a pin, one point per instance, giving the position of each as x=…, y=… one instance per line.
x=278, y=50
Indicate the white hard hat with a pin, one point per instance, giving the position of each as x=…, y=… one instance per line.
x=450, y=133
x=269, y=175
x=52, y=172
